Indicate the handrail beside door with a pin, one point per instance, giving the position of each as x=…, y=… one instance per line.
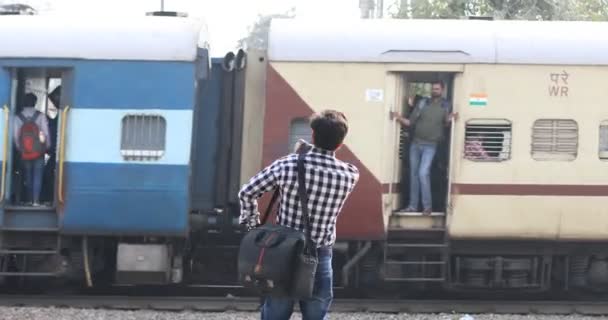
x=5, y=154
x=64, y=120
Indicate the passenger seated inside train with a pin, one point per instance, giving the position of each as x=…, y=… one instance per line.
x=474, y=148
x=31, y=139
x=425, y=158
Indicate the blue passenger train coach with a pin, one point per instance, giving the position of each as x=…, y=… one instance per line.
x=124, y=171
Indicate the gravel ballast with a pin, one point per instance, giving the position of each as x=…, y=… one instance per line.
x=28, y=313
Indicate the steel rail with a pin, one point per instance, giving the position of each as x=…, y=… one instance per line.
x=249, y=304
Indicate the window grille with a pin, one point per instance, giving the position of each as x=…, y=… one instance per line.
x=143, y=137
x=554, y=139
x=604, y=140
x=487, y=140
x=299, y=129
x=403, y=138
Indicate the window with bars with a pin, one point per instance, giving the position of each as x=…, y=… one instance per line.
x=487, y=140
x=555, y=139
x=143, y=137
x=603, y=150
x=299, y=129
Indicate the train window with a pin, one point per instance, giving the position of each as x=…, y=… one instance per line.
x=143, y=137
x=555, y=139
x=487, y=140
x=604, y=140
x=299, y=129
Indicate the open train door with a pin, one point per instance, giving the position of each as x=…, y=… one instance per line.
x=417, y=247
x=411, y=89
x=29, y=227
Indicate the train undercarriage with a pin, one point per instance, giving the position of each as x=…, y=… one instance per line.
x=407, y=263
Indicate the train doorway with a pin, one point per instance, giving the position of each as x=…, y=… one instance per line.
x=416, y=92
x=36, y=97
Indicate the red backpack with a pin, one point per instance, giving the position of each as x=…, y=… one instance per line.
x=29, y=140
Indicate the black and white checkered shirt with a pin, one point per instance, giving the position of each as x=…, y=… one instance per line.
x=329, y=181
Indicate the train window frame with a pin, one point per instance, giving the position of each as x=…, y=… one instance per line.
x=603, y=141
x=134, y=145
x=292, y=125
x=503, y=126
x=554, y=154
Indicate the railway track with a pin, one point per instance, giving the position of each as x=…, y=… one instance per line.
x=248, y=304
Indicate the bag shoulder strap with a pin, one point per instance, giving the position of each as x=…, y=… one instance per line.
x=35, y=116
x=417, y=110
x=303, y=195
x=275, y=196
x=25, y=119
x=423, y=102
x=22, y=117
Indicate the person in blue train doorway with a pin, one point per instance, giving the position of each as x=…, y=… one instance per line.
x=328, y=182
x=426, y=122
x=52, y=115
x=30, y=135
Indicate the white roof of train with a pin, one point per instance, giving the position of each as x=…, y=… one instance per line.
x=112, y=38
x=439, y=41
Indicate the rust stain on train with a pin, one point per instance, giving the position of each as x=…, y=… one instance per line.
x=362, y=216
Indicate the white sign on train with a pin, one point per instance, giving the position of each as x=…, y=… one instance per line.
x=374, y=95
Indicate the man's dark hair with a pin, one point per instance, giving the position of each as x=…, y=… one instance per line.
x=29, y=100
x=440, y=83
x=329, y=129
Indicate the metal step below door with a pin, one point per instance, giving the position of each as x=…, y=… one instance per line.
x=416, y=261
x=30, y=237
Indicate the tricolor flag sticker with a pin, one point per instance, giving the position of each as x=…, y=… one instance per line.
x=478, y=100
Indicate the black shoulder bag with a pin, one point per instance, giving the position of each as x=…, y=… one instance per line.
x=280, y=261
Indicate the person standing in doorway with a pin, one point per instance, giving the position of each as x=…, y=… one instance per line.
x=52, y=115
x=427, y=121
x=329, y=182
x=31, y=132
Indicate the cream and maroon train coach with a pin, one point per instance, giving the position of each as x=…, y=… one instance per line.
x=529, y=210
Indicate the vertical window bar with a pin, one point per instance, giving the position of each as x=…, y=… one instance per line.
x=150, y=134
x=143, y=137
x=487, y=140
x=603, y=147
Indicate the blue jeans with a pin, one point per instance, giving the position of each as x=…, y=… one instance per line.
x=315, y=308
x=421, y=159
x=33, y=170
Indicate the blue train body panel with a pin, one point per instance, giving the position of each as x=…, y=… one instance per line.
x=131, y=88
x=5, y=87
x=126, y=199
x=122, y=84
x=105, y=193
x=134, y=85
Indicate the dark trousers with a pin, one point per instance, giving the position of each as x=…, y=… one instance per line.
x=315, y=308
x=32, y=172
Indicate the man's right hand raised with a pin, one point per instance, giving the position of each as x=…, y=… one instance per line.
x=402, y=120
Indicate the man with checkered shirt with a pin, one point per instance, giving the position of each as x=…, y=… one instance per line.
x=329, y=182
